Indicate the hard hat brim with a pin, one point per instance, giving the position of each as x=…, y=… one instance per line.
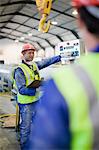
x=28, y=50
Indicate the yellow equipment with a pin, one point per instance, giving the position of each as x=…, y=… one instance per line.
x=11, y=120
x=44, y=6
x=17, y=118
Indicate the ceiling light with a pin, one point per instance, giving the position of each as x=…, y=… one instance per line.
x=30, y=34
x=39, y=29
x=75, y=12
x=16, y=41
x=22, y=38
x=54, y=22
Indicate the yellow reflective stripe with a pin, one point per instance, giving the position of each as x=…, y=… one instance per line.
x=24, y=99
x=29, y=74
x=91, y=63
x=30, y=77
x=80, y=123
x=87, y=82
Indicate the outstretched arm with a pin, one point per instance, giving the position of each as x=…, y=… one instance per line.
x=48, y=62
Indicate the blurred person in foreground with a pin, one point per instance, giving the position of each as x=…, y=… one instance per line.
x=68, y=116
x=27, y=80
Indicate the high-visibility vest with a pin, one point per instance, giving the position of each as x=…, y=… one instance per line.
x=79, y=85
x=30, y=76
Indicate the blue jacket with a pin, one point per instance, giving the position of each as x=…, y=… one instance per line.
x=50, y=130
x=51, y=127
x=20, y=78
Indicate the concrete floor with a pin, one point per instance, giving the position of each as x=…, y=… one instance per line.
x=8, y=139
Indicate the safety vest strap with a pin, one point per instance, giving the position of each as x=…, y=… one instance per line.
x=92, y=97
x=91, y=92
x=30, y=74
x=73, y=91
x=85, y=79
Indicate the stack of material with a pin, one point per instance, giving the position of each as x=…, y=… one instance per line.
x=8, y=139
x=9, y=121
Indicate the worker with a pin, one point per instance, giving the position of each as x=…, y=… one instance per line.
x=27, y=80
x=68, y=115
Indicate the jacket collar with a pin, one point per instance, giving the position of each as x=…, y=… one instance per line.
x=26, y=64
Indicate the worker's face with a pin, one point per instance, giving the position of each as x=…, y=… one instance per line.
x=28, y=55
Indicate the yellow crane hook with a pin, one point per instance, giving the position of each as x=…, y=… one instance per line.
x=44, y=6
x=43, y=26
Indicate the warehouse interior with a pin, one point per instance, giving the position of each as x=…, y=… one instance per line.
x=19, y=21
x=19, y=24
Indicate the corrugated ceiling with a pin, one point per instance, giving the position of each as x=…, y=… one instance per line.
x=20, y=17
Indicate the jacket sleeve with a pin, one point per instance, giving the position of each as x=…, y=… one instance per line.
x=51, y=127
x=48, y=62
x=21, y=83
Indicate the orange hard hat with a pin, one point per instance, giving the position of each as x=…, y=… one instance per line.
x=79, y=3
x=27, y=47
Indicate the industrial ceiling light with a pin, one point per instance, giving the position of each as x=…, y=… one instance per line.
x=16, y=41
x=75, y=12
x=38, y=29
x=22, y=38
x=30, y=34
x=54, y=22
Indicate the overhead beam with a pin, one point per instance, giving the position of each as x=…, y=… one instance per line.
x=2, y=37
x=75, y=33
x=72, y=31
x=50, y=44
x=33, y=35
x=21, y=14
x=41, y=46
x=31, y=41
x=63, y=13
x=59, y=38
x=17, y=13
x=34, y=3
x=24, y=26
x=18, y=2
x=31, y=28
